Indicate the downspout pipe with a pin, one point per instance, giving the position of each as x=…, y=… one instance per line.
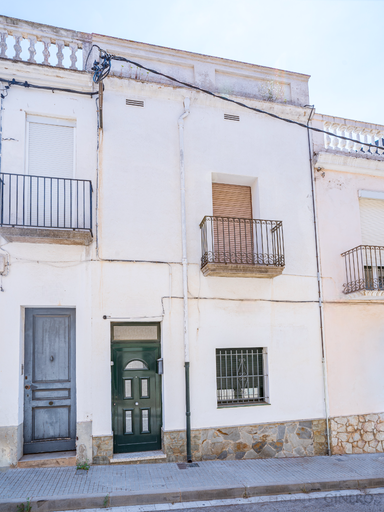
x=185, y=277
x=319, y=287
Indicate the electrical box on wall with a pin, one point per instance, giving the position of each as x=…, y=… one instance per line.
x=3, y=263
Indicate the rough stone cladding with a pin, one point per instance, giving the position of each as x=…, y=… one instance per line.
x=358, y=434
x=102, y=449
x=292, y=439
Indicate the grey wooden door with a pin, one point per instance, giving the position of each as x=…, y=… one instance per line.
x=49, y=384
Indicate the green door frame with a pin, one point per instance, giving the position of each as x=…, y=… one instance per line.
x=142, y=441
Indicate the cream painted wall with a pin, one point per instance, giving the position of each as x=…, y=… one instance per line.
x=354, y=327
x=139, y=219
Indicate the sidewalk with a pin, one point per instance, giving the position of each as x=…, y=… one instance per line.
x=54, y=489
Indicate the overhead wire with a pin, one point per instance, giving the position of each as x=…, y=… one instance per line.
x=102, y=70
x=46, y=87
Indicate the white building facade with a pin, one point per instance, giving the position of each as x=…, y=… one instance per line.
x=108, y=289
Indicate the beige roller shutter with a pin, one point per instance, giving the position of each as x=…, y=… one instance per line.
x=231, y=201
x=372, y=221
x=233, y=235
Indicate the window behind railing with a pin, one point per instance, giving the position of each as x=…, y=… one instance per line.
x=242, y=241
x=44, y=202
x=364, y=268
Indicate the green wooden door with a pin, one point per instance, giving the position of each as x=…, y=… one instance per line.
x=136, y=397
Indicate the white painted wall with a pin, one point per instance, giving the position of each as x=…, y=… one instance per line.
x=139, y=219
x=354, y=324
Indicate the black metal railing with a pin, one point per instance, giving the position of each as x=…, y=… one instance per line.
x=364, y=267
x=241, y=376
x=45, y=202
x=242, y=241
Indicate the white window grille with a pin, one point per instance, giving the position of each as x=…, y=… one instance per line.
x=241, y=375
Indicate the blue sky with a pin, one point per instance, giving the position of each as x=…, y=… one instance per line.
x=340, y=43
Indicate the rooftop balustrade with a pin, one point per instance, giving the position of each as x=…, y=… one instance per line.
x=42, y=44
x=362, y=133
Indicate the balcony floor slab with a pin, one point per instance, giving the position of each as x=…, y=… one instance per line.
x=46, y=235
x=238, y=270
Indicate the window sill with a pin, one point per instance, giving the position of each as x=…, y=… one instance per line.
x=230, y=406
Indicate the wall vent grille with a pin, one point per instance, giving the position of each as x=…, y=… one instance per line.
x=134, y=103
x=230, y=117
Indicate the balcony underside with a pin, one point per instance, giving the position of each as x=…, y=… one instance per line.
x=241, y=270
x=46, y=235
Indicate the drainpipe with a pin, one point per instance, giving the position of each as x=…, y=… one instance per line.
x=185, y=277
x=320, y=288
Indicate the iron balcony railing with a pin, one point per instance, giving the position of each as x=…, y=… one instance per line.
x=45, y=202
x=364, y=266
x=242, y=241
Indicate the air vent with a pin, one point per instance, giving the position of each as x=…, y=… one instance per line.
x=230, y=117
x=134, y=103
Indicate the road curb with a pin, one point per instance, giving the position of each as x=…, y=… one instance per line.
x=119, y=499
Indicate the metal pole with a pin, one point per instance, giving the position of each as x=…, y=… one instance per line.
x=185, y=278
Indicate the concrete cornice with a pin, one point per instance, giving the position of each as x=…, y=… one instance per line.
x=39, y=74
x=360, y=164
x=127, y=48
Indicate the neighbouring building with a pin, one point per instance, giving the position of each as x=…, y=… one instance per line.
x=350, y=197
x=149, y=230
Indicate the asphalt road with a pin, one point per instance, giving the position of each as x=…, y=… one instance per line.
x=368, y=503
x=337, y=501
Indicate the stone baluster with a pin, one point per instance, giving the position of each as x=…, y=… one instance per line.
x=60, y=54
x=342, y=142
x=365, y=134
x=327, y=138
x=380, y=136
x=350, y=144
x=3, y=43
x=357, y=145
x=32, y=49
x=374, y=137
x=335, y=140
x=86, y=50
x=47, y=43
x=17, y=46
x=74, y=48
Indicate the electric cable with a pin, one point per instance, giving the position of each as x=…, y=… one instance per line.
x=44, y=87
x=102, y=70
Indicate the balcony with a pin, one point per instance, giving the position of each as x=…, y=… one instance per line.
x=234, y=247
x=364, y=266
x=41, y=209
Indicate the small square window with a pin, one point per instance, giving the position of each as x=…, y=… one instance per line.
x=241, y=375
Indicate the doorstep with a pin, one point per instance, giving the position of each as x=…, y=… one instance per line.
x=139, y=457
x=48, y=460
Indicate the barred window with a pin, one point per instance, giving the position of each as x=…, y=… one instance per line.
x=241, y=376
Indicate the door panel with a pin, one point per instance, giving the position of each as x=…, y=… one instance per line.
x=49, y=384
x=136, y=396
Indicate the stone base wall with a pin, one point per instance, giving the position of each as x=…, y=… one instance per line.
x=11, y=445
x=84, y=442
x=358, y=434
x=291, y=439
x=102, y=449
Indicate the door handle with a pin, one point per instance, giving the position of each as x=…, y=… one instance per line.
x=136, y=403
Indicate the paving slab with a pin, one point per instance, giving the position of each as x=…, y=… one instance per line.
x=55, y=489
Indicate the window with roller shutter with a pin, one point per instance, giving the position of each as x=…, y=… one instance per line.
x=233, y=236
x=51, y=155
